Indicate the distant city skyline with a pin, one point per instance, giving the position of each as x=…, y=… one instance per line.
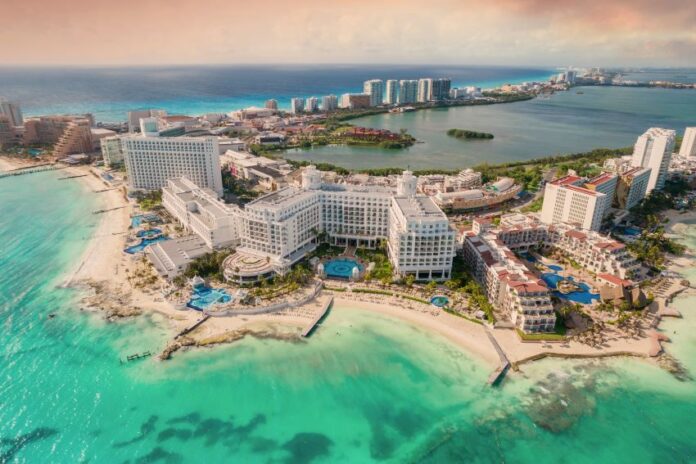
x=505, y=32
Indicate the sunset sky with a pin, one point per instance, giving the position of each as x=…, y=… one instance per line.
x=505, y=32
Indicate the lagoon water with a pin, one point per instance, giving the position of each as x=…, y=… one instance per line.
x=567, y=122
x=363, y=389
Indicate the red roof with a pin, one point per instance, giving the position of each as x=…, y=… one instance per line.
x=576, y=234
x=612, y=279
x=601, y=179
x=566, y=180
x=575, y=188
x=528, y=287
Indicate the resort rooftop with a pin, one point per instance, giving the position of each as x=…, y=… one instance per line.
x=419, y=208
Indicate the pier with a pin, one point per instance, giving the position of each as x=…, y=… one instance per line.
x=73, y=177
x=100, y=211
x=310, y=328
x=136, y=356
x=497, y=375
x=188, y=330
x=31, y=170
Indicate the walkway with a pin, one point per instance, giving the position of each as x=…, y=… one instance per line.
x=498, y=374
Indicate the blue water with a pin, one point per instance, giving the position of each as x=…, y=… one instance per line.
x=137, y=221
x=148, y=232
x=203, y=297
x=341, y=268
x=144, y=243
x=109, y=93
x=439, y=301
x=364, y=388
x=584, y=296
x=555, y=267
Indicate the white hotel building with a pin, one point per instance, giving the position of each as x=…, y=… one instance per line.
x=566, y=201
x=282, y=227
x=152, y=160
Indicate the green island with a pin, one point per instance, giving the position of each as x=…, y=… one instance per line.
x=469, y=134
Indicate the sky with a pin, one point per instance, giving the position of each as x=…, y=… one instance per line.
x=498, y=32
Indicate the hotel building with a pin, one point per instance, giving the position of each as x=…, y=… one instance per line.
x=375, y=89
x=631, y=188
x=12, y=111
x=355, y=101
x=425, y=87
x=688, y=146
x=653, y=150
x=312, y=105
x=112, y=151
x=566, y=201
x=329, y=102
x=392, y=92
x=151, y=160
x=134, y=117
x=271, y=104
x=297, y=105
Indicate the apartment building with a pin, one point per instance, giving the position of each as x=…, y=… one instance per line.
x=375, y=89
x=631, y=187
x=408, y=91
x=688, y=145
x=112, y=151
x=653, y=150
x=391, y=96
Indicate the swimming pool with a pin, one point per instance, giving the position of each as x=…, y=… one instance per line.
x=148, y=232
x=144, y=243
x=555, y=267
x=439, y=301
x=203, y=297
x=583, y=296
x=341, y=268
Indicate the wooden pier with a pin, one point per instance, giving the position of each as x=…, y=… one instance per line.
x=136, y=356
x=308, y=331
x=73, y=177
x=31, y=170
x=497, y=375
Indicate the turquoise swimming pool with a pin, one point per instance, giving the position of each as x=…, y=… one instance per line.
x=148, y=233
x=583, y=296
x=203, y=297
x=144, y=243
x=341, y=268
x=439, y=300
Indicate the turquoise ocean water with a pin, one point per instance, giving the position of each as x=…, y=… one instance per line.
x=362, y=389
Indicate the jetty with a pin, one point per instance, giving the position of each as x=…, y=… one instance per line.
x=136, y=356
x=497, y=375
x=73, y=177
x=190, y=329
x=100, y=211
x=31, y=170
x=315, y=322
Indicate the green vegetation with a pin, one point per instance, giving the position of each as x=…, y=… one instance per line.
x=207, y=266
x=549, y=337
x=652, y=244
x=237, y=187
x=150, y=200
x=373, y=291
x=383, y=269
x=469, y=134
x=534, y=206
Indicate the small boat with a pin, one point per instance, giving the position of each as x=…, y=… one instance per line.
x=51, y=316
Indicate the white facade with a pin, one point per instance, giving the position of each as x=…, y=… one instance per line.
x=375, y=89
x=408, y=91
x=297, y=105
x=134, y=117
x=329, y=102
x=653, y=150
x=312, y=105
x=425, y=88
x=632, y=187
x=112, y=151
x=200, y=211
x=688, y=146
x=151, y=161
x=391, y=96
x=566, y=201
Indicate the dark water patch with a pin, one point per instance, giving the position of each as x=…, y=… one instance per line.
x=146, y=429
x=306, y=447
x=391, y=426
x=261, y=445
x=160, y=455
x=192, y=418
x=179, y=434
x=12, y=446
x=213, y=431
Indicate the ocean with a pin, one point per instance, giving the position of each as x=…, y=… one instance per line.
x=363, y=389
x=576, y=121
x=109, y=93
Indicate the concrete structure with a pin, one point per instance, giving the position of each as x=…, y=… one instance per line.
x=375, y=89
x=631, y=188
x=605, y=183
x=355, y=101
x=425, y=87
x=271, y=104
x=312, y=105
x=297, y=105
x=9, y=134
x=440, y=89
x=199, y=211
x=566, y=201
x=653, y=150
x=151, y=161
x=688, y=145
x=172, y=257
x=112, y=152
x=134, y=117
x=408, y=91
x=329, y=103
x=12, y=111
x=471, y=199
x=391, y=96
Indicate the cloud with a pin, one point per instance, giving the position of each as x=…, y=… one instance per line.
x=592, y=32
